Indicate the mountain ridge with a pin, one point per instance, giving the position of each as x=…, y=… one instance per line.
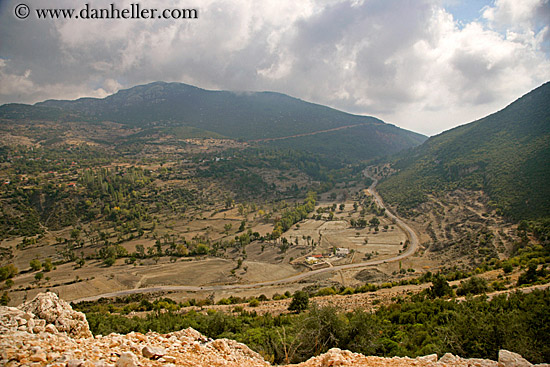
x=505, y=154
x=237, y=115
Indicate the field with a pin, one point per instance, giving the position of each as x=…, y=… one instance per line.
x=117, y=209
x=263, y=262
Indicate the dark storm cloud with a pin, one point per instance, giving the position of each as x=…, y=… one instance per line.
x=405, y=61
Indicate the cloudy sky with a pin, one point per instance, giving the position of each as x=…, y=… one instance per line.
x=424, y=65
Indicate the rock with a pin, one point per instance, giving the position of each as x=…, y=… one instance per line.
x=51, y=329
x=221, y=346
x=49, y=307
x=450, y=359
x=511, y=359
x=102, y=364
x=75, y=363
x=39, y=356
x=12, y=318
x=127, y=359
x=153, y=352
x=61, y=348
x=333, y=357
x=193, y=334
x=53, y=356
x=431, y=358
x=169, y=359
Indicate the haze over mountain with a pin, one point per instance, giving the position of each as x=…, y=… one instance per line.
x=506, y=154
x=249, y=116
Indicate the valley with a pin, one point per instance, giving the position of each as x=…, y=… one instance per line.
x=135, y=215
x=264, y=264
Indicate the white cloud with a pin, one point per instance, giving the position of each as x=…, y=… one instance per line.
x=12, y=84
x=407, y=62
x=517, y=14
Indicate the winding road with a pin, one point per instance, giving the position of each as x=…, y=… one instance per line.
x=411, y=249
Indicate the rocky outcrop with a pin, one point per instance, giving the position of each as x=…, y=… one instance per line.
x=30, y=335
x=58, y=313
x=337, y=357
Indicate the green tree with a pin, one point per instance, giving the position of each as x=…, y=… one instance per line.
x=8, y=271
x=202, y=249
x=374, y=222
x=474, y=285
x=47, y=265
x=323, y=328
x=110, y=261
x=140, y=250
x=440, y=287
x=75, y=234
x=227, y=228
x=300, y=301
x=35, y=264
x=5, y=299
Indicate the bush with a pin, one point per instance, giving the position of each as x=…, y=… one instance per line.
x=328, y=291
x=8, y=271
x=474, y=285
x=35, y=264
x=300, y=301
x=507, y=268
x=440, y=287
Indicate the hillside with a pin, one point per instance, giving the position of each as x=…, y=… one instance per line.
x=47, y=331
x=506, y=155
x=248, y=116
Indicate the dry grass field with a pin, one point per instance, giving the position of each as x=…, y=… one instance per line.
x=262, y=261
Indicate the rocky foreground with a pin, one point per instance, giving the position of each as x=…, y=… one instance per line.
x=48, y=332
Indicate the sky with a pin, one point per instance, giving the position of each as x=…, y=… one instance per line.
x=423, y=65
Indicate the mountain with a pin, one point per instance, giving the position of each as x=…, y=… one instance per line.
x=250, y=116
x=506, y=154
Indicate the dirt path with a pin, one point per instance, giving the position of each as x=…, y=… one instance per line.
x=411, y=249
x=308, y=134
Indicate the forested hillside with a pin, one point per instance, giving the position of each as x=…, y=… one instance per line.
x=189, y=111
x=506, y=154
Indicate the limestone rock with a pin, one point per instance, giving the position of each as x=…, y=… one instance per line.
x=12, y=319
x=334, y=357
x=75, y=363
x=511, y=359
x=39, y=356
x=169, y=359
x=153, y=352
x=23, y=343
x=127, y=359
x=49, y=307
x=432, y=358
x=449, y=359
x=51, y=329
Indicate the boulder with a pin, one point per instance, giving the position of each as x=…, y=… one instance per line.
x=511, y=359
x=153, y=352
x=127, y=359
x=49, y=307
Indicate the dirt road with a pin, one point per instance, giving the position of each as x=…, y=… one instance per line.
x=308, y=134
x=411, y=249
